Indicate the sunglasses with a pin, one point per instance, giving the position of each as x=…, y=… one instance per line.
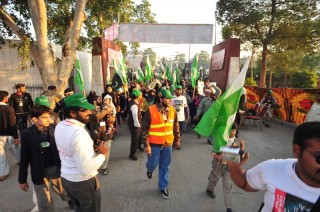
x=315, y=157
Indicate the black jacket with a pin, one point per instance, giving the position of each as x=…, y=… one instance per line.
x=31, y=153
x=15, y=100
x=8, y=124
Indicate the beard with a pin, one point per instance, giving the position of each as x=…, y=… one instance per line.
x=84, y=120
x=165, y=104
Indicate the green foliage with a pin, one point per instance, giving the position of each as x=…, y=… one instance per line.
x=304, y=79
x=152, y=56
x=250, y=81
x=100, y=14
x=276, y=25
x=180, y=59
x=204, y=60
x=311, y=62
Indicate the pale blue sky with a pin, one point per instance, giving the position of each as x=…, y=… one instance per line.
x=182, y=12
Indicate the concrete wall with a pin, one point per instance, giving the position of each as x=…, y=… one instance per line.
x=10, y=73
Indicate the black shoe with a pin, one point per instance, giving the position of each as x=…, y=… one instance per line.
x=178, y=148
x=133, y=157
x=141, y=148
x=71, y=205
x=267, y=125
x=104, y=171
x=209, y=142
x=211, y=194
x=149, y=175
x=229, y=210
x=165, y=193
x=199, y=136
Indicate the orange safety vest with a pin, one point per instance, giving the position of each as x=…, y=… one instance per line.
x=160, y=131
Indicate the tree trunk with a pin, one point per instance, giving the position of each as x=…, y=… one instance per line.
x=51, y=73
x=263, y=71
x=270, y=79
x=251, y=61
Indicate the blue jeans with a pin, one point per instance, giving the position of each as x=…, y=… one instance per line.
x=183, y=126
x=160, y=156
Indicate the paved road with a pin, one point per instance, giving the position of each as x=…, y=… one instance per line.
x=127, y=188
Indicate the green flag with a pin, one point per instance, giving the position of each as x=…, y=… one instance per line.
x=177, y=73
x=78, y=79
x=116, y=81
x=123, y=71
x=169, y=73
x=148, y=71
x=194, y=72
x=119, y=71
x=217, y=121
x=140, y=76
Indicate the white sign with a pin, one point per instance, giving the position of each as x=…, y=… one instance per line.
x=167, y=33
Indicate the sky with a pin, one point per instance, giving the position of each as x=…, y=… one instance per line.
x=182, y=12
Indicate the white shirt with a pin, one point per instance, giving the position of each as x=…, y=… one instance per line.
x=79, y=162
x=314, y=113
x=284, y=191
x=179, y=103
x=134, y=110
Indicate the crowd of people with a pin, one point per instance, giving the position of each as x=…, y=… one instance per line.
x=66, y=140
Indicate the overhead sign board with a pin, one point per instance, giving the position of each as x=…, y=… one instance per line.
x=166, y=33
x=112, y=32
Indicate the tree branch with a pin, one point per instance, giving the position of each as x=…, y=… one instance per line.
x=38, y=15
x=71, y=41
x=7, y=19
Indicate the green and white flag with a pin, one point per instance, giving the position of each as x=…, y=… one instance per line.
x=217, y=121
x=108, y=74
x=169, y=74
x=123, y=71
x=177, y=73
x=118, y=70
x=78, y=78
x=140, y=76
x=148, y=71
x=195, y=72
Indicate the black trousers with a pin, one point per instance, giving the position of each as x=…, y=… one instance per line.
x=135, y=140
x=86, y=195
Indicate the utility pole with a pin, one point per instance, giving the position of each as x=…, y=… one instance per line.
x=215, y=27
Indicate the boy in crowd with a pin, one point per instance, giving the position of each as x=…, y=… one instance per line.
x=38, y=148
x=219, y=170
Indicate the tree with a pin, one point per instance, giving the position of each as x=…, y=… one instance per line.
x=61, y=22
x=283, y=24
x=180, y=59
x=311, y=62
x=16, y=18
x=284, y=64
x=304, y=79
x=152, y=56
x=204, y=60
x=104, y=13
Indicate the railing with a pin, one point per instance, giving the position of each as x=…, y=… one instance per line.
x=35, y=90
x=293, y=103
